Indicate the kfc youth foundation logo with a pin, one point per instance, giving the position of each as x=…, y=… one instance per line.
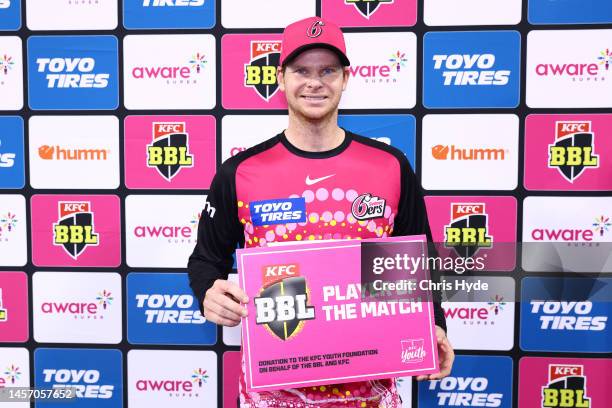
x=282, y=305
x=413, y=351
x=595, y=70
x=367, y=7
x=75, y=229
x=260, y=72
x=386, y=72
x=573, y=149
x=367, y=207
x=173, y=75
x=187, y=387
x=92, y=310
x=567, y=387
x=468, y=229
x=169, y=151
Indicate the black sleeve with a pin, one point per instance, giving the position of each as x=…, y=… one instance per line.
x=219, y=232
x=411, y=219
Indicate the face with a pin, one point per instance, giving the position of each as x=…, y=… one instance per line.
x=313, y=83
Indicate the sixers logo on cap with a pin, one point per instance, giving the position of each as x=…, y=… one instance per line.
x=74, y=229
x=315, y=29
x=260, y=72
x=169, y=151
x=467, y=230
x=282, y=305
x=572, y=152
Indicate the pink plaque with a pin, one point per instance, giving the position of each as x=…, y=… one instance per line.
x=308, y=324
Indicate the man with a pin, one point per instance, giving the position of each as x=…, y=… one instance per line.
x=316, y=165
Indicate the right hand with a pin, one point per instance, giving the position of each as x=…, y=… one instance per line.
x=222, y=303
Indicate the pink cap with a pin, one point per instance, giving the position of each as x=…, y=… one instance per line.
x=312, y=32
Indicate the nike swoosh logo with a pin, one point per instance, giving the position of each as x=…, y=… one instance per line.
x=310, y=182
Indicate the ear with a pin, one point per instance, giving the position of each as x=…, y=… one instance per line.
x=345, y=77
x=280, y=79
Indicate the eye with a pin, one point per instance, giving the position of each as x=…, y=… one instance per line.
x=301, y=71
x=329, y=71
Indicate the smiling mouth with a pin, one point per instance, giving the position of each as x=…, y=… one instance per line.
x=314, y=98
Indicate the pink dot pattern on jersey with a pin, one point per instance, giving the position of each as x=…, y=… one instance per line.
x=326, y=219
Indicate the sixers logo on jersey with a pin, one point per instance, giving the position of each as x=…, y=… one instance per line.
x=566, y=387
x=169, y=151
x=282, y=304
x=572, y=151
x=468, y=229
x=74, y=229
x=260, y=72
x=367, y=7
x=367, y=206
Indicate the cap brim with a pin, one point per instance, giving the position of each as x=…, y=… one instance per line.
x=343, y=58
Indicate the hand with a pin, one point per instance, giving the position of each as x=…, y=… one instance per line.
x=446, y=355
x=222, y=303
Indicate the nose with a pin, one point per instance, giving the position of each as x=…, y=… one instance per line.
x=314, y=82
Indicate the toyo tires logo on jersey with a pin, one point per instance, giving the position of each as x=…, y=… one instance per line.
x=279, y=211
x=260, y=72
x=282, y=304
x=367, y=206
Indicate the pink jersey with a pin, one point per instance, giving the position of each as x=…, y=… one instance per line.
x=275, y=192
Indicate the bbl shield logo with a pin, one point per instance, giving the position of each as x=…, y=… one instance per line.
x=566, y=387
x=367, y=7
x=282, y=304
x=573, y=150
x=468, y=229
x=74, y=230
x=260, y=72
x=169, y=151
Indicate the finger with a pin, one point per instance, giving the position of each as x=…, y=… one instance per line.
x=421, y=377
x=216, y=306
x=234, y=290
x=231, y=305
x=220, y=320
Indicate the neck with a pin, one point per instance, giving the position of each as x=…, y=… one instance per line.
x=314, y=136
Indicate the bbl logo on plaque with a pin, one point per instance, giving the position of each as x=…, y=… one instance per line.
x=74, y=229
x=282, y=304
x=169, y=151
x=260, y=72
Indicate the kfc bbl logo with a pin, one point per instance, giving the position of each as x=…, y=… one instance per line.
x=572, y=151
x=468, y=228
x=566, y=387
x=74, y=230
x=282, y=304
x=169, y=151
x=260, y=72
x=367, y=7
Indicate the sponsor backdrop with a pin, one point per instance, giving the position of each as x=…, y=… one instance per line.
x=115, y=114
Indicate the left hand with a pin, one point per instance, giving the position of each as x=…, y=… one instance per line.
x=446, y=355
